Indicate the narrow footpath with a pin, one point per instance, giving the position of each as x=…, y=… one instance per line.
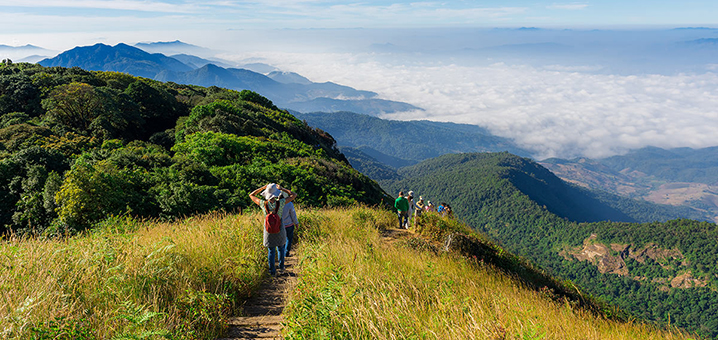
x=262, y=314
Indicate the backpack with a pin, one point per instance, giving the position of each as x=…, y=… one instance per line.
x=272, y=222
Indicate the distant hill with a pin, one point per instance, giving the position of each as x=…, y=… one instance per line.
x=26, y=53
x=28, y=47
x=368, y=165
x=410, y=141
x=300, y=96
x=173, y=47
x=288, y=78
x=526, y=176
x=197, y=62
x=118, y=58
x=680, y=176
x=705, y=42
x=531, y=212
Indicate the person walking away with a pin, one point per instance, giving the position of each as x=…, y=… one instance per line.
x=289, y=220
x=419, y=209
x=402, y=209
x=449, y=212
x=444, y=210
x=273, y=206
x=412, y=207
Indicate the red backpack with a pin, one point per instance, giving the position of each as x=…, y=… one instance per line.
x=272, y=222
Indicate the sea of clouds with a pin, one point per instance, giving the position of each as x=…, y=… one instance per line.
x=554, y=110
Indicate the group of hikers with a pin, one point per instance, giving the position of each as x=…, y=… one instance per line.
x=407, y=209
x=280, y=218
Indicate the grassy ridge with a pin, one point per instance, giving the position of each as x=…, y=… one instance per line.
x=355, y=286
x=142, y=280
x=131, y=280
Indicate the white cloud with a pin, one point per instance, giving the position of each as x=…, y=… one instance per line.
x=128, y=5
x=553, y=112
x=572, y=6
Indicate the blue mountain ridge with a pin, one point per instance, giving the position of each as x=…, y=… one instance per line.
x=310, y=97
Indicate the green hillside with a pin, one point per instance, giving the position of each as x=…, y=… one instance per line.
x=128, y=279
x=661, y=271
x=77, y=146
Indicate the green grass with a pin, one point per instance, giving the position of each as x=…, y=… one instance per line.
x=356, y=286
x=131, y=280
x=148, y=280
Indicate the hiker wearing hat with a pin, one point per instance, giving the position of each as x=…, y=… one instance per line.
x=402, y=209
x=275, y=236
x=419, y=209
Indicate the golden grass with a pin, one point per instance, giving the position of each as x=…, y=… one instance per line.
x=354, y=286
x=137, y=280
x=157, y=279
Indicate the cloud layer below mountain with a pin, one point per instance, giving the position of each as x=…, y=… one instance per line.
x=555, y=111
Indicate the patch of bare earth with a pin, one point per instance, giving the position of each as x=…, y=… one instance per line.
x=392, y=235
x=611, y=260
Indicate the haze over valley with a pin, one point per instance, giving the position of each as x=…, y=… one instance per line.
x=556, y=92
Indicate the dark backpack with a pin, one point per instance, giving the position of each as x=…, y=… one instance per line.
x=272, y=222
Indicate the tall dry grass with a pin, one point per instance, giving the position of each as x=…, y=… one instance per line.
x=130, y=279
x=355, y=286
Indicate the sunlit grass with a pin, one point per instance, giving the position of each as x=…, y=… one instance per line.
x=143, y=280
x=131, y=279
x=355, y=286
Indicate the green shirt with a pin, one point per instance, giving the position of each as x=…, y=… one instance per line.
x=401, y=204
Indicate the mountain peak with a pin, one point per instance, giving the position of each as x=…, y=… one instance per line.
x=118, y=58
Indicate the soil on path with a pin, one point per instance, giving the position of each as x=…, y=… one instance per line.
x=393, y=235
x=262, y=314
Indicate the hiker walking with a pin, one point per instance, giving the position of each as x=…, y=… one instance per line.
x=412, y=208
x=289, y=220
x=275, y=236
x=419, y=209
x=402, y=209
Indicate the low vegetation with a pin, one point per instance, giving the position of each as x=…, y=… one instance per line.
x=356, y=286
x=131, y=280
x=150, y=280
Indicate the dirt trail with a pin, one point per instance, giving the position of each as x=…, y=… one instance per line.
x=262, y=314
x=393, y=235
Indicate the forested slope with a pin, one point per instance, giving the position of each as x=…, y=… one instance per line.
x=411, y=141
x=660, y=270
x=77, y=146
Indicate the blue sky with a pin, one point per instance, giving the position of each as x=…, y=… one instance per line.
x=37, y=16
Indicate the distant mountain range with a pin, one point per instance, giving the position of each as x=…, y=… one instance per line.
x=381, y=148
x=286, y=90
x=26, y=53
x=118, y=58
x=173, y=47
x=402, y=143
x=681, y=176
